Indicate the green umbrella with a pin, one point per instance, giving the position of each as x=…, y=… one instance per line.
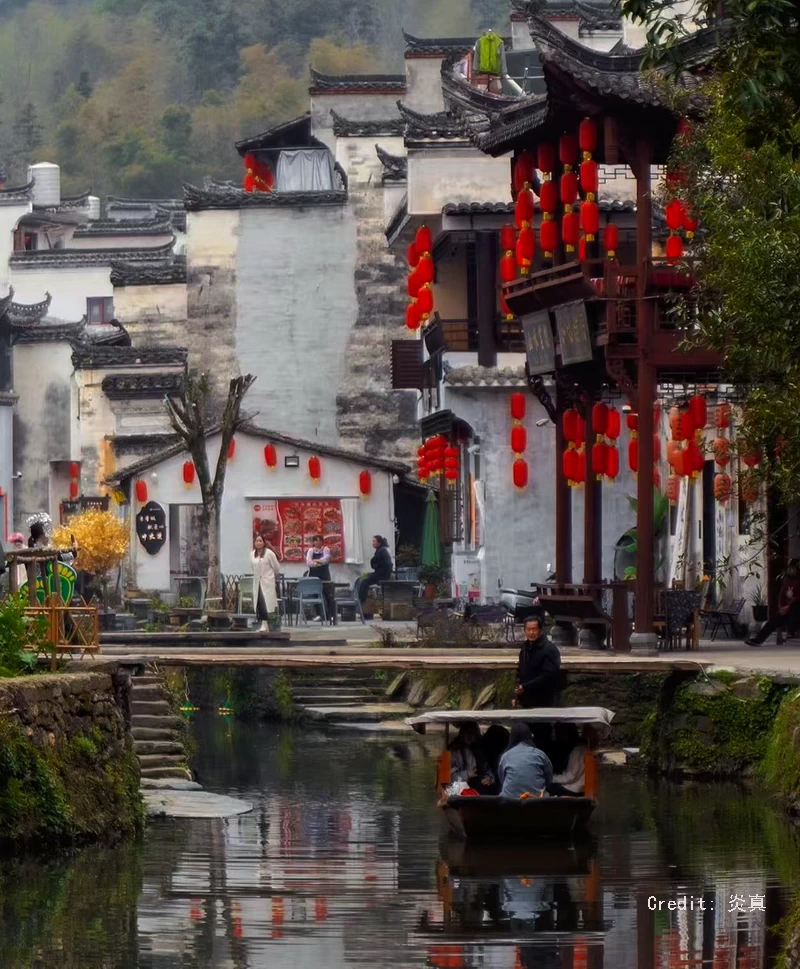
x=431, y=548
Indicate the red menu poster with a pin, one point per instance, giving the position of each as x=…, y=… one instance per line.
x=290, y=525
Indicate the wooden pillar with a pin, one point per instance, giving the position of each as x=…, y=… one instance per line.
x=563, y=511
x=644, y=639
x=592, y=517
x=486, y=299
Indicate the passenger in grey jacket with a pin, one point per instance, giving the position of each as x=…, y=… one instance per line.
x=524, y=769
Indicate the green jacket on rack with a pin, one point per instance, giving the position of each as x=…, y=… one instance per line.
x=489, y=49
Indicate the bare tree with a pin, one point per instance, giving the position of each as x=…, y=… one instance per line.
x=191, y=415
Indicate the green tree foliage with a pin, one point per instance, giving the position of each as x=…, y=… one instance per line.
x=740, y=163
x=139, y=96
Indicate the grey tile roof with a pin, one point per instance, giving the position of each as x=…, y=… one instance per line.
x=39, y=258
x=359, y=83
x=90, y=356
x=121, y=227
x=226, y=196
x=395, y=167
x=486, y=377
x=15, y=194
x=158, y=274
x=127, y=386
x=350, y=128
x=507, y=208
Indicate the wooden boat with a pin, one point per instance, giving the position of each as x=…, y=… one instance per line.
x=487, y=816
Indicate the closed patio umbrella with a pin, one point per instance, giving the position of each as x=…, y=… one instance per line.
x=431, y=547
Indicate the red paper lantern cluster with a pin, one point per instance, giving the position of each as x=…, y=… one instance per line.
x=519, y=438
x=270, y=456
x=574, y=458
x=508, y=263
x=420, y=278
x=548, y=201
x=141, y=491
x=606, y=425
x=74, y=482
x=431, y=457
x=570, y=223
x=686, y=427
x=451, y=465
x=678, y=217
x=590, y=213
x=524, y=170
x=314, y=468
x=365, y=483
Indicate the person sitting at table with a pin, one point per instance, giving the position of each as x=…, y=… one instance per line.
x=381, y=565
x=318, y=559
x=468, y=763
x=569, y=780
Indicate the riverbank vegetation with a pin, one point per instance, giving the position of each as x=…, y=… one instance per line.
x=135, y=97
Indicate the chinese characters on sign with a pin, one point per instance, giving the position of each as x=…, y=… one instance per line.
x=539, y=345
x=573, y=333
x=151, y=527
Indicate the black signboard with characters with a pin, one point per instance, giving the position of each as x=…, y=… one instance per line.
x=151, y=527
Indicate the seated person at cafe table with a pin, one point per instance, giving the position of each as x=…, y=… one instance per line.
x=538, y=669
x=381, y=565
x=318, y=559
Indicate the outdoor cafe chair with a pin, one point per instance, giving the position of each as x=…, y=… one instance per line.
x=309, y=592
x=349, y=600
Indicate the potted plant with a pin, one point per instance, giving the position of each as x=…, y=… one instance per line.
x=158, y=612
x=434, y=578
x=407, y=563
x=102, y=540
x=185, y=608
x=760, y=608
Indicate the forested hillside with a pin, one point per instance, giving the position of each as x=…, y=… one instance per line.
x=135, y=97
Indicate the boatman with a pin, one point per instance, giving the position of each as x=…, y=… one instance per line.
x=539, y=668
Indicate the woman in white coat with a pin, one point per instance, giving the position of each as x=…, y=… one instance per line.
x=265, y=575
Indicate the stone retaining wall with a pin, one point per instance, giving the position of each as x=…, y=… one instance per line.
x=67, y=767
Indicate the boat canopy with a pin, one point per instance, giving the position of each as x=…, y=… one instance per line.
x=596, y=717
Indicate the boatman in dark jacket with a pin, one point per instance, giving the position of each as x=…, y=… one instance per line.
x=539, y=668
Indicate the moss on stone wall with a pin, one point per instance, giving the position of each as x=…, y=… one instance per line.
x=71, y=790
x=715, y=725
x=780, y=767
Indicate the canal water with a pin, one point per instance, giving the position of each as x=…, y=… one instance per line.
x=342, y=864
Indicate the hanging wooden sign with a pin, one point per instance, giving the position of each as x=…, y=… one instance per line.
x=151, y=527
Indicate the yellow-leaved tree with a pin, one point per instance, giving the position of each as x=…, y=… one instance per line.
x=102, y=539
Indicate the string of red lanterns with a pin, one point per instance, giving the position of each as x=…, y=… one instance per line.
x=519, y=439
x=420, y=278
x=570, y=223
x=574, y=458
x=590, y=213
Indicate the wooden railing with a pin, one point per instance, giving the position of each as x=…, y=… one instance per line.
x=462, y=335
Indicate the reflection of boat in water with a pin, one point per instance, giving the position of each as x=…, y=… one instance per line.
x=487, y=816
x=537, y=903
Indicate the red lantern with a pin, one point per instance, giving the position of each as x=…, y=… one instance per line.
x=517, y=405
x=569, y=424
x=590, y=219
x=614, y=424
x=722, y=416
x=751, y=457
x=698, y=410
x=188, y=472
x=519, y=439
x=722, y=487
x=587, y=135
x=75, y=489
x=722, y=451
x=231, y=448
x=548, y=237
x=508, y=238
x=508, y=268
x=569, y=465
x=451, y=456
x=600, y=418
x=548, y=197
x=693, y=459
x=673, y=489
x=74, y=470
x=599, y=456
x=507, y=311
x=569, y=188
x=580, y=431
x=425, y=302
x=412, y=254
x=570, y=230
x=141, y=491
x=523, y=210
x=451, y=475
x=249, y=184
x=568, y=149
x=632, y=423
x=612, y=462
x=365, y=483
x=545, y=158
x=413, y=317
x=582, y=248
x=611, y=239
x=589, y=177
x=413, y=284
x=423, y=240
x=425, y=269
x=674, y=248
x=581, y=467
x=523, y=171
x=674, y=214
x=689, y=224
x=674, y=454
x=270, y=456
x=525, y=249
x=633, y=455
x=314, y=468
x=520, y=473
x=687, y=425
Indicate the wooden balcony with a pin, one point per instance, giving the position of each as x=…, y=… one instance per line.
x=461, y=336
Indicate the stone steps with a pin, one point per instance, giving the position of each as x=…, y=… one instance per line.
x=363, y=713
x=152, y=733
x=148, y=692
x=335, y=698
x=153, y=708
x=155, y=773
x=157, y=738
x=141, y=721
x=146, y=747
x=162, y=760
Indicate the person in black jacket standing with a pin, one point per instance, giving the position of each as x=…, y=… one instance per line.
x=381, y=565
x=539, y=668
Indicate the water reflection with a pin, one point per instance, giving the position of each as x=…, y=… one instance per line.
x=342, y=864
